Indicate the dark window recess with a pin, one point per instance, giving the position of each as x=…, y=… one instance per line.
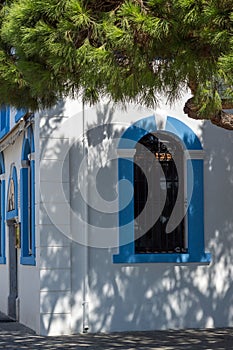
x=156, y=186
x=3, y=117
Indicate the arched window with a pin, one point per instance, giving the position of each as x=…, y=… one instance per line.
x=162, y=220
x=2, y=210
x=12, y=195
x=27, y=200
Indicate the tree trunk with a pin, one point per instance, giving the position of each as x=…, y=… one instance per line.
x=221, y=118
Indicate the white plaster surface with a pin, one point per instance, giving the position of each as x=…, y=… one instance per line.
x=56, y=213
x=29, y=287
x=55, y=257
x=154, y=296
x=57, y=170
x=55, y=302
x=28, y=276
x=120, y=298
x=4, y=288
x=55, y=279
x=54, y=324
x=51, y=236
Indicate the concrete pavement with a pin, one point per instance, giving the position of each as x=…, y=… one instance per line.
x=15, y=336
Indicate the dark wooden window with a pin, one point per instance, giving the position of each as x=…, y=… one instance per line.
x=158, y=188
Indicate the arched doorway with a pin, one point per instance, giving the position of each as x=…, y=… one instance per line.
x=13, y=236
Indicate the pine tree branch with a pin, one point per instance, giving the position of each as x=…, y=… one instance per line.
x=221, y=118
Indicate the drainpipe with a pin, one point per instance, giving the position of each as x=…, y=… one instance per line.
x=85, y=228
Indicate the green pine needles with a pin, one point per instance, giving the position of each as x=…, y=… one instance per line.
x=131, y=51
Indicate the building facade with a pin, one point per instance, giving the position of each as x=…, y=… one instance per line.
x=115, y=219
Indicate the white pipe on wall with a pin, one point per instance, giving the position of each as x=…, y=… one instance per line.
x=85, y=246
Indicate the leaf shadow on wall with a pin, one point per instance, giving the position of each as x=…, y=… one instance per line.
x=146, y=296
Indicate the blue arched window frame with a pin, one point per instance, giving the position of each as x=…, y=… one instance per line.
x=27, y=185
x=2, y=210
x=12, y=214
x=195, y=211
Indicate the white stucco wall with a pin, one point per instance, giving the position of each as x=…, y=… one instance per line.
x=54, y=222
x=151, y=296
x=28, y=276
x=4, y=290
x=117, y=297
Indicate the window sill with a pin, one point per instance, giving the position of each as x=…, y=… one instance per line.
x=204, y=258
x=2, y=260
x=28, y=260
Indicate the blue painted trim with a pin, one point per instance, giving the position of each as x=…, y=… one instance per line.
x=24, y=211
x=185, y=133
x=28, y=260
x=20, y=113
x=4, y=120
x=205, y=258
x=13, y=213
x=195, y=215
x=2, y=260
x=126, y=199
x=3, y=233
x=136, y=131
x=27, y=148
x=196, y=207
x=33, y=221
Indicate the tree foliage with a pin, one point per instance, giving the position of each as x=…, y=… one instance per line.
x=132, y=50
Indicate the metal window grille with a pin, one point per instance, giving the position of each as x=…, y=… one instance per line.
x=156, y=185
